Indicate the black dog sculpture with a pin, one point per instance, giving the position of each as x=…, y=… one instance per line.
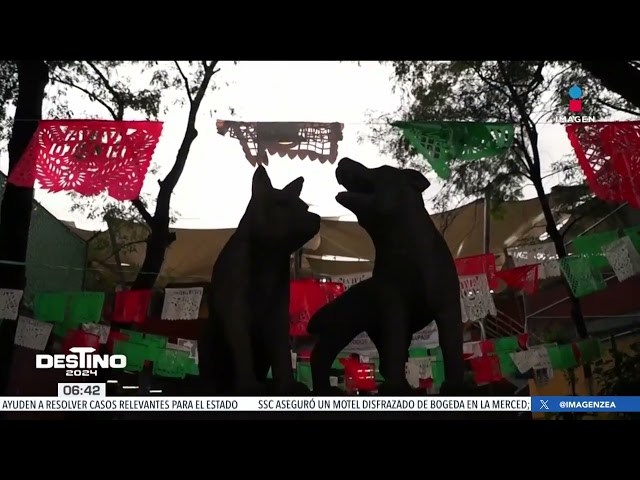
x=248, y=327
x=414, y=280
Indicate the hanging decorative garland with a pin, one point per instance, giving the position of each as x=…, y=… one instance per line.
x=484, y=264
x=609, y=155
x=583, y=278
x=623, y=258
x=542, y=254
x=523, y=278
x=89, y=157
x=441, y=142
x=315, y=141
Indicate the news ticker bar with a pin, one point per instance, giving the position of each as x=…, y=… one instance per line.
x=151, y=403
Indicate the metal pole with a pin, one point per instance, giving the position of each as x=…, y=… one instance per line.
x=115, y=248
x=486, y=240
x=524, y=312
x=598, y=222
x=567, y=244
x=487, y=219
x=297, y=264
x=560, y=301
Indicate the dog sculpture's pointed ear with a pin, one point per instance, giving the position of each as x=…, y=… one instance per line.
x=294, y=188
x=416, y=179
x=261, y=182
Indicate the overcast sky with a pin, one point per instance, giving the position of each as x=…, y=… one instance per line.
x=215, y=185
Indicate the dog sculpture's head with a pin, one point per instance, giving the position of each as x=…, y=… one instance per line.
x=375, y=194
x=279, y=218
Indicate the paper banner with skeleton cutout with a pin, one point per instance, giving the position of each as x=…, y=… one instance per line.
x=475, y=298
x=315, y=141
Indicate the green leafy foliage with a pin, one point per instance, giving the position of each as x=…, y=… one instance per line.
x=619, y=76
x=598, y=101
x=523, y=93
x=8, y=91
x=117, y=90
x=110, y=83
x=619, y=373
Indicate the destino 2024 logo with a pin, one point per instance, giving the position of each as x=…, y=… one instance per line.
x=81, y=362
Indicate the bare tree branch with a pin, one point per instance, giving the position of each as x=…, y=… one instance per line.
x=185, y=80
x=161, y=237
x=121, y=247
x=117, y=98
x=619, y=76
x=137, y=202
x=174, y=174
x=528, y=124
x=616, y=107
x=491, y=83
x=91, y=96
x=570, y=225
x=537, y=78
x=110, y=268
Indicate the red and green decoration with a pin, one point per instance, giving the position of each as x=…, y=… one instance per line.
x=307, y=296
x=67, y=311
x=71, y=312
x=442, y=142
x=609, y=155
x=141, y=348
x=592, y=255
x=489, y=361
x=89, y=157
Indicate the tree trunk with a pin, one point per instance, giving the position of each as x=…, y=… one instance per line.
x=619, y=76
x=558, y=242
x=157, y=243
x=15, y=212
x=160, y=237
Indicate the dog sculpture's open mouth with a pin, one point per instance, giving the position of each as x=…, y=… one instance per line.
x=353, y=177
x=357, y=189
x=357, y=184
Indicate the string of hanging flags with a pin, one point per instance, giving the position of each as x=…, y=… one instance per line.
x=303, y=140
x=442, y=142
x=94, y=156
x=617, y=250
x=609, y=155
x=88, y=157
